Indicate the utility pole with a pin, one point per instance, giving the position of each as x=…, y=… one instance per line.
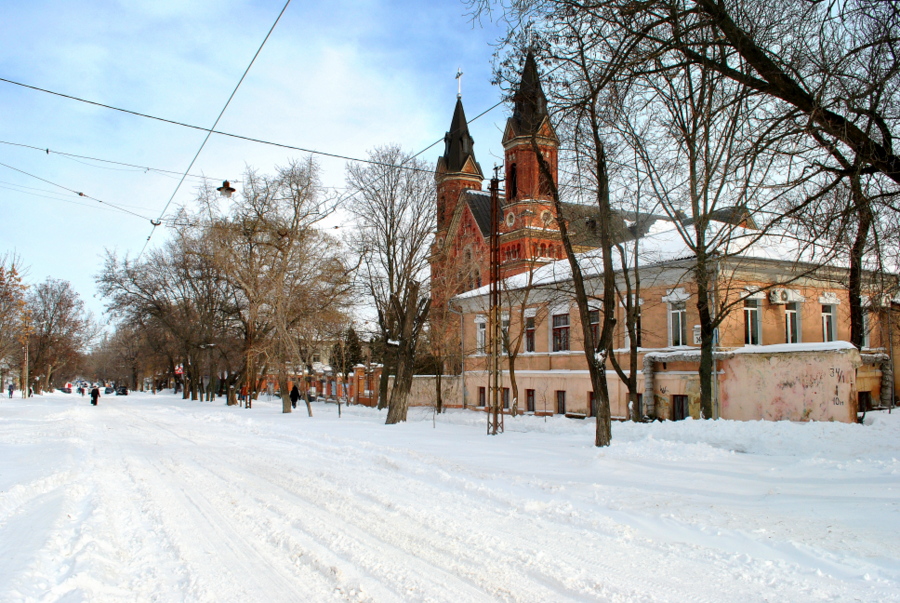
x=495, y=416
x=25, y=376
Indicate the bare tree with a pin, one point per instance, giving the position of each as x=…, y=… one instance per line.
x=62, y=330
x=282, y=268
x=390, y=198
x=12, y=310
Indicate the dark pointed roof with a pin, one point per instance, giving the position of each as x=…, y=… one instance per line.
x=458, y=144
x=529, y=102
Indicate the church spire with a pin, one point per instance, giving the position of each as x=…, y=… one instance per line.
x=458, y=144
x=529, y=102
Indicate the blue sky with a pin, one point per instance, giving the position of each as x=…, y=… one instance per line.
x=337, y=76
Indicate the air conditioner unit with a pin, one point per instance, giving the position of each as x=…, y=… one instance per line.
x=779, y=296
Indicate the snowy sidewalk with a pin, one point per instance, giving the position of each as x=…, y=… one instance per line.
x=155, y=498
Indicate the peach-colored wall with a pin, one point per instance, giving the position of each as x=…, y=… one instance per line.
x=795, y=386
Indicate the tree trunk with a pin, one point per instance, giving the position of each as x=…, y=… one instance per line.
x=386, y=371
x=857, y=250
x=707, y=330
x=399, y=403
x=285, y=394
x=513, y=385
x=439, y=399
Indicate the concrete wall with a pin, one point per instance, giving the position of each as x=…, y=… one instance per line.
x=796, y=386
x=423, y=391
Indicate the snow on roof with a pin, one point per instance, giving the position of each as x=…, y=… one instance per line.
x=779, y=348
x=666, y=244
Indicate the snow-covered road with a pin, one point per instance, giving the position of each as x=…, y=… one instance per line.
x=151, y=498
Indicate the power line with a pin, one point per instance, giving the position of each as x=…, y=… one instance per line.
x=60, y=199
x=12, y=186
x=208, y=130
x=79, y=193
x=209, y=133
x=145, y=168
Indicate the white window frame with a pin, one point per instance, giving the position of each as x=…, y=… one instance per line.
x=829, y=323
x=675, y=298
x=793, y=317
x=678, y=309
x=480, y=334
x=752, y=312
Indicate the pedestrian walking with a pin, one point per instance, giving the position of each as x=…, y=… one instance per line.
x=95, y=395
x=11, y=389
x=295, y=395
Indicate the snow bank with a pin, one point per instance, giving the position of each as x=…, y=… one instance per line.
x=155, y=498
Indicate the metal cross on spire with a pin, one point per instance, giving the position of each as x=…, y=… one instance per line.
x=459, y=75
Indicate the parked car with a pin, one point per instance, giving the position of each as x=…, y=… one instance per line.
x=108, y=391
x=122, y=391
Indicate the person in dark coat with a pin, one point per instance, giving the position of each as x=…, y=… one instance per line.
x=295, y=396
x=95, y=395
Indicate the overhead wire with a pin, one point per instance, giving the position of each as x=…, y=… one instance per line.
x=79, y=193
x=209, y=133
x=60, y=199
x=136, y=166
x=43, y=192
x=208, y=130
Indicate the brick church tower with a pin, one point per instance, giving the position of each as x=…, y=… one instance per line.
x=458, y=250
x=529, y=234
x=457, y=170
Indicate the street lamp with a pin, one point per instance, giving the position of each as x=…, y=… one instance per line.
x=226, y=190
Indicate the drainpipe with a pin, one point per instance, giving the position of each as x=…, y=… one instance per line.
x=462, y=355
x=715, y=349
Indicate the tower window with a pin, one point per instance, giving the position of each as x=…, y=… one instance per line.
x=513, y=183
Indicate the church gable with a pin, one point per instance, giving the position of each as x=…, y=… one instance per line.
x=545, y=131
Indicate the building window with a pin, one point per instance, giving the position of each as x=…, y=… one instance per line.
x=560, y=402
x=595, y=325
x=529, y=334
x=561, y=332
x=751, y=322
x=678, y=323
x=482, y=396
x=827, y=322
x=513, y=182
x=592, y=404
x=529, y=400
x=792, y=323
x=480, y=336
x=506, y=398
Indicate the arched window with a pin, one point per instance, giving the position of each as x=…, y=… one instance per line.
x=513, y=183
